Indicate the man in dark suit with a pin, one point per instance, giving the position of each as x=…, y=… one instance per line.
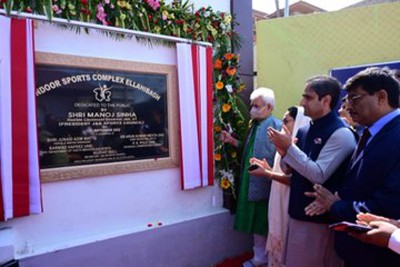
x=372, y=181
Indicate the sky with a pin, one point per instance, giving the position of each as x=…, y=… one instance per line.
x=268, y=6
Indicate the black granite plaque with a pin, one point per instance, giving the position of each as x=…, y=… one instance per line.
x=90, y=116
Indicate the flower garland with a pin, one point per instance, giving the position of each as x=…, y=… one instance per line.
x=229, y=115
x=175, y=19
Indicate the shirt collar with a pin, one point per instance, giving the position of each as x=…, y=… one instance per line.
x=379, y=124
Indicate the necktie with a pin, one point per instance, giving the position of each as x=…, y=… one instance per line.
x=363, y=141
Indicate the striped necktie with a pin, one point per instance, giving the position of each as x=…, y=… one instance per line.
x=363, y=141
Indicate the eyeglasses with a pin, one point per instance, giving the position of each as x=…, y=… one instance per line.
x=352, y=99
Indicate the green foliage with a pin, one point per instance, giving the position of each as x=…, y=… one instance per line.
x=175, y=19
x=229, y=116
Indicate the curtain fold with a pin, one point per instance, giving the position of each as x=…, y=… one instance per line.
x=195, y=105
x=19, y=161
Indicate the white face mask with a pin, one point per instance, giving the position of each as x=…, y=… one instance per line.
x=257, y=113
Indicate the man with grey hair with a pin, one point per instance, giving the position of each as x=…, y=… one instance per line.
x=252, y=207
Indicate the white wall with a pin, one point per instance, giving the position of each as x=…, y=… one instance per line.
x=82, y=211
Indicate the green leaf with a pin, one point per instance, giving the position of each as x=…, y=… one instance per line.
x=9, y=6
x=48, y=9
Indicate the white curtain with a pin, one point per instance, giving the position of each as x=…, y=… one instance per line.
x=195, y=100
x=19, y=162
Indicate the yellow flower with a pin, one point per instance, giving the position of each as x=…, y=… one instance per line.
x=228, y=19
x=219, y=85
x=122, y=3
x=226, y=107
x=233, y=154
x=217, y=129
x=165, y=14
x=214, y=32
x=217, y=157
x=225, y=184
x=241, y=87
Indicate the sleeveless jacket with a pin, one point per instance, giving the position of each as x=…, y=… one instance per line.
x=311, y=140
x=259, y=188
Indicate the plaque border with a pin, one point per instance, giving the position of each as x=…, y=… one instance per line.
x=113, y=168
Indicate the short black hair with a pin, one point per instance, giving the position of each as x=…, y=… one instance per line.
x=396, y=74
x=293, y=112
x=326, y=85
x=375, y=79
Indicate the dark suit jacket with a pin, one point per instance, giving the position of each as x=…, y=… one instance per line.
x=374, y=182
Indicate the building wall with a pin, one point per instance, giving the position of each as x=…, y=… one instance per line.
x=244, y=16
x=292, y=49
x=84, y=212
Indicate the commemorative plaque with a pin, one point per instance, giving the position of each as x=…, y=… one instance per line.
x=99, y=117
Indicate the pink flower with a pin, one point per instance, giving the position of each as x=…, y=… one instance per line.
x=55, y=8
x=154, y=4
x=101, y=15
x=107, y=1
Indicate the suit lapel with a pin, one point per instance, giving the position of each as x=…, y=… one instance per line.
x=375, y=141
x=381, y=134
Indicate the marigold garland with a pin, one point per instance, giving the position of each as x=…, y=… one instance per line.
x=230, y=114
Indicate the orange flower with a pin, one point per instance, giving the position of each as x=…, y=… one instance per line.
x=225, y=184
x=229, y=56
x=231, y=71
x=217, y=128
x=219, y=85
x=218, y=64
x=226, y=107
x=217, y=157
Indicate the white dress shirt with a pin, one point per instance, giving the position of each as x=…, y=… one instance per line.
x=394, y=241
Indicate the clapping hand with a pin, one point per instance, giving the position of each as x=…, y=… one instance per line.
x=379, y=235
x=281, y=139
x=324, y=199
x=382, y=229
x=315, y=208
x=367, y=218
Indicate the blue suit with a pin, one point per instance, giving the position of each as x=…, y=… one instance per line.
x=372, y=183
